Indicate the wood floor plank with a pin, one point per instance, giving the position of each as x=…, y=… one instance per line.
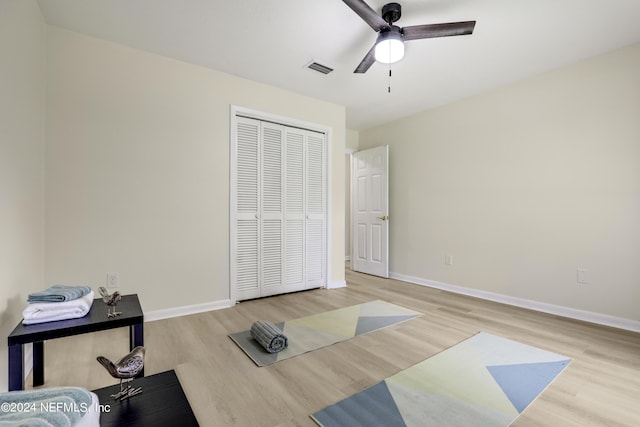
x=601, y=386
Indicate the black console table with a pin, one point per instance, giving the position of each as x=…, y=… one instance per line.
x=95, y=320
x=161, y=403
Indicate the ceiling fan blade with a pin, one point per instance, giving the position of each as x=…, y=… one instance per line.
x=367, y=61
x=365, y=12
x=438, y=30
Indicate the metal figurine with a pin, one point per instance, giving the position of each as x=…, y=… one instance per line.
x=127, y=369
x=111, y=300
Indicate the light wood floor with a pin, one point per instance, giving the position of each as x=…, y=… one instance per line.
x=601, y=387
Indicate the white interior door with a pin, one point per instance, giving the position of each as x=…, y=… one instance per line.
x=370, y=204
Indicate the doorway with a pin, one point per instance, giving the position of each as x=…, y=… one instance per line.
x=370, y=211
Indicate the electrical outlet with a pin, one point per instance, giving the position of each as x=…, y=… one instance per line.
x=112, y=280
x=583, y=276
x=448, y=259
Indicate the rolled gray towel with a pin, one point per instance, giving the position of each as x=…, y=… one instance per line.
x=269, y=336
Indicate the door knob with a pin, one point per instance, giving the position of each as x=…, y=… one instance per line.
x=384, y=217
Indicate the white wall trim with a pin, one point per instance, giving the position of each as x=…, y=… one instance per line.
x=328, y=182
x=185, y=310
x=335, y=284
x=572, y=313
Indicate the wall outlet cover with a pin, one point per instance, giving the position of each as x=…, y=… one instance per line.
x=583, y=276
x=113, y=279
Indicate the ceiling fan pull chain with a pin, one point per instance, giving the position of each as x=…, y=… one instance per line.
x=389, y=86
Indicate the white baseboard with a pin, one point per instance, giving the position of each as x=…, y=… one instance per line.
x=149, y=316
x=185, y=310
x=572, y=313
x=337, y=284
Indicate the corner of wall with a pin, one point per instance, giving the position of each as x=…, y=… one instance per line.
x=23, y=52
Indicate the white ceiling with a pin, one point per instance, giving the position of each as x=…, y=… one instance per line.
x=272, y=41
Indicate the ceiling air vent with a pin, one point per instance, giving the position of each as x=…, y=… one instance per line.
x=319, y=67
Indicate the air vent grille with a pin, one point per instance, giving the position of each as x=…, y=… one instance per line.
x=319, y=67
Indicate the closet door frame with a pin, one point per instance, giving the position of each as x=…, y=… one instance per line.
x=239, y=111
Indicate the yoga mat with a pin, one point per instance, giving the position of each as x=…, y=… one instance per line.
x=323, y=329
x=485, y=380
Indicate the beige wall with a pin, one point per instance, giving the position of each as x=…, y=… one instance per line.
x=22, y=118
x=523, y=185
x=137, y=169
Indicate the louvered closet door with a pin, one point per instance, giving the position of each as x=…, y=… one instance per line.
x=259, y=219
x=247, y=263
x=294, y=210
x=305, y=210
x=315, y=210
x=271, y=218
x=278, y=239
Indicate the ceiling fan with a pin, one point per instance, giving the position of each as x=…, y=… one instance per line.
x=389, y=46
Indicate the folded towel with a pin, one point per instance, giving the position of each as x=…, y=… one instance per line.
x=59, y=293
x=51, y=311
x=53, y=406
x=269, y=336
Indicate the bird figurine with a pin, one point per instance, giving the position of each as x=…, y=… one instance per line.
x=111, y=301
x=127, y=369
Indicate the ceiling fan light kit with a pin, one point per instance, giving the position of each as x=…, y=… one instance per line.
x=389, y=46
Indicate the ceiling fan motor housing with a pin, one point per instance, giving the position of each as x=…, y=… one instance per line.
x=391, y=12
x=393, y=31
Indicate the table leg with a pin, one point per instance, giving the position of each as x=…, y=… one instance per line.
x=38, y=363
x=16, y=373
x=136, y=338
